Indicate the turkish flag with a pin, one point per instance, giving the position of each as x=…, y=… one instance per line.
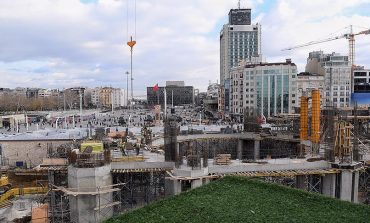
x=155, y=88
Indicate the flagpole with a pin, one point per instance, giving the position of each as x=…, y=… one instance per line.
x=157, y=97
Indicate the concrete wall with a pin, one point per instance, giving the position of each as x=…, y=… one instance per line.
x=30, y=151
x=88, y=180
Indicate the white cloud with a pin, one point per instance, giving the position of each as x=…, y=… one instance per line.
x=70, y=43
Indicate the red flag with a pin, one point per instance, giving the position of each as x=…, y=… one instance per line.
x=155, y=88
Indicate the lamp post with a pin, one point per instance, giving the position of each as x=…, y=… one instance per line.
x=127, y=73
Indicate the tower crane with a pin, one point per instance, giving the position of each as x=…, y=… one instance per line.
x=351, y=40
x=351, y=43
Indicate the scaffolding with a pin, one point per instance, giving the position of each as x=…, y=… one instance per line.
x=327, y=129
x=60, y=210
x=170, y=139
x=364, y=185
x=139, y=188
x=343, y=147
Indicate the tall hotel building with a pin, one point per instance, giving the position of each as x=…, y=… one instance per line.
x=239, y=40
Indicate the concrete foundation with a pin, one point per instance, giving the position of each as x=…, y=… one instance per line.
x=328, y=185
x=90, y=208
x=349, y=185
x=172, y=187
x=196, y=183
x=346, y=185
x=355, y=180
x=256, y=150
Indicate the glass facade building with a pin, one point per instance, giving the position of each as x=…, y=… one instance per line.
x=266, y=88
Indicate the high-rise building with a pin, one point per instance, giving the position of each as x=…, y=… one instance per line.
x=263, y=88
x=336, y=70
x=239, y=40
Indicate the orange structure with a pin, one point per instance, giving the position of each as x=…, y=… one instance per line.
x=303, y=132
x=315, y=120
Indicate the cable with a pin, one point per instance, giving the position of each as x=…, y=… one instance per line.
x=135, y=19
x=361, y=27
x=127, y=21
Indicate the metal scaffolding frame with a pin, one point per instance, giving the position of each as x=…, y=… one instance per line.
x=59, y=208
x=286, y=180
x=364, y=185
x=140, y=188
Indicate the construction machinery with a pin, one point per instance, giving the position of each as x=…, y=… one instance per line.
x=4, y=184
x=7, y=192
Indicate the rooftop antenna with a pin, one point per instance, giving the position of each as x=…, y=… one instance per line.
x=239, y=4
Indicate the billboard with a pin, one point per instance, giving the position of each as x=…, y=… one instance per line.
x=362, y=99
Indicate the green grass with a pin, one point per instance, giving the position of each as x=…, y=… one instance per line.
x=237, y=199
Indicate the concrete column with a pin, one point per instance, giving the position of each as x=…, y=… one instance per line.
x=300, y=182
x=177, y=154
x=346, y=185
x=196, y=183
x=206, y=181
x=355, y=179
x=328, y=185
x=256, y=150
x=205, y=155
x=90, y=208
x=239, y=150
x=172, y=187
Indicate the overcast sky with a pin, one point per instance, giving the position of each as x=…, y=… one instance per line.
x=66, y=43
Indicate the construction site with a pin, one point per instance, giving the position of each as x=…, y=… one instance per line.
x=91, y=179
x=92, y=174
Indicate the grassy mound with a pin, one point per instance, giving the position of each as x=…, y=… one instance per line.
x=237, y=199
